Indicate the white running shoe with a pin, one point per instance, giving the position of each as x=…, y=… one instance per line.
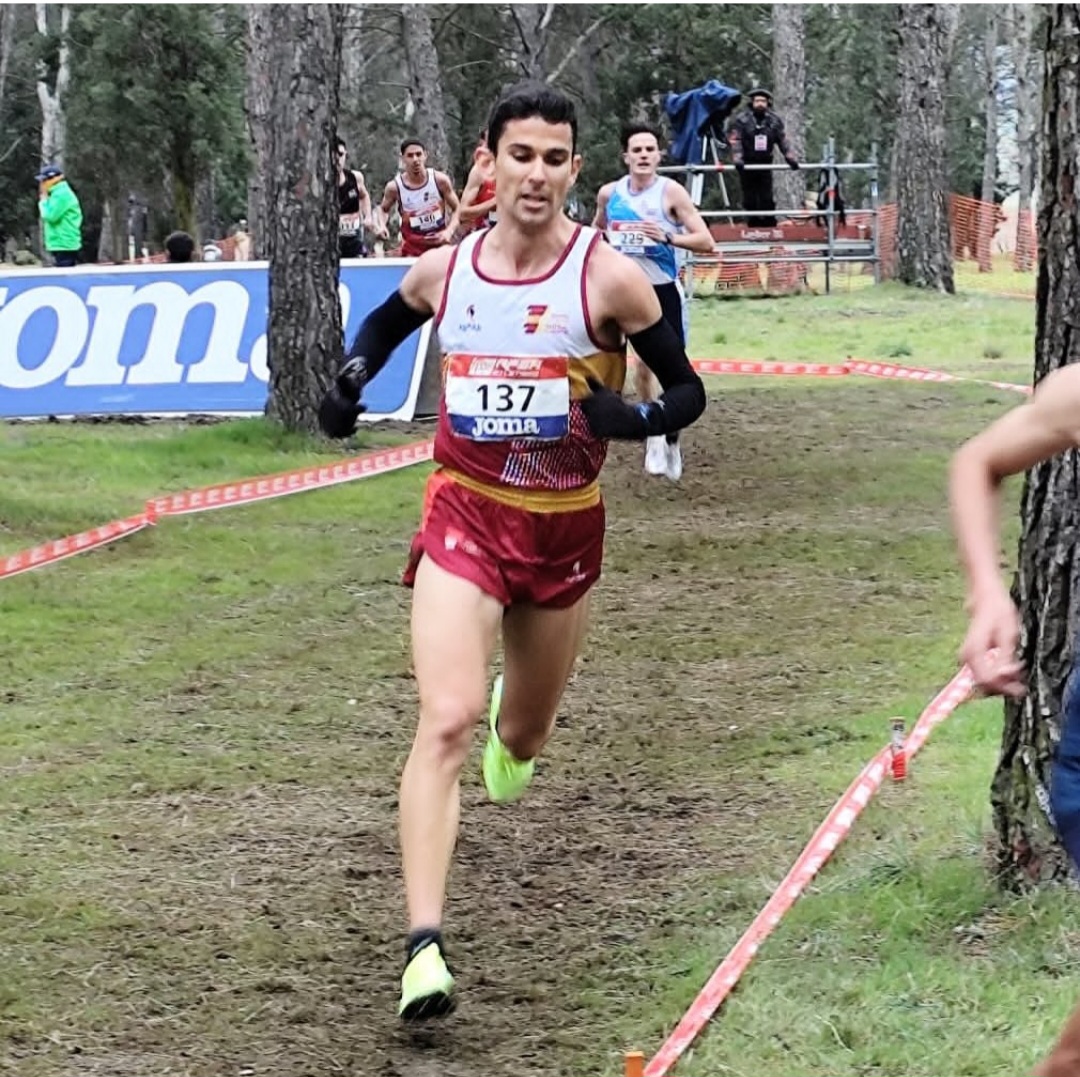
x=656, y=456
x=673, y=461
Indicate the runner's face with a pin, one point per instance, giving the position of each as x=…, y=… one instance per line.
x=534, y=169
x=642, y=155
x=415, y=158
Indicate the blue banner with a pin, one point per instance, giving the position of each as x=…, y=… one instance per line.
x=170, y=339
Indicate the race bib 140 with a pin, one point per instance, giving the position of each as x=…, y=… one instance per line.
x=498, y=398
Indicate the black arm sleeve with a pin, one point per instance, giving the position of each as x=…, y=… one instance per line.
x=683, y=399
x=382, y=331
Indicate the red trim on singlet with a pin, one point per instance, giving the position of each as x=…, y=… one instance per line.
x=446, y=287
x=585, y=298
x=526, y=280
x=429, y=177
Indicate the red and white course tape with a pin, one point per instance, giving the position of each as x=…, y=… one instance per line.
x=918, y=373
x=827, y=837
x=244, y=492
x=754, y=366
x=865, y=367
x=220, y=496
x=58, y=550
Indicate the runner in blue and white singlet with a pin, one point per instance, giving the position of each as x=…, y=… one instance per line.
x=653, y=220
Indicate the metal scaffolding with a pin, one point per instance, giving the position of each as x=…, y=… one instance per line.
x=744, y=244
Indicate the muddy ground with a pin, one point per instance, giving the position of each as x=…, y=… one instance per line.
x=257, y=932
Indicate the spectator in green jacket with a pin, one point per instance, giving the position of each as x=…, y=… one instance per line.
x=61, y=216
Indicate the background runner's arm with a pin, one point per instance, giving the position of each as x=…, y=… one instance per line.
x=600, y=220
x=468, y=209
x=446, y=189
x=365, y=199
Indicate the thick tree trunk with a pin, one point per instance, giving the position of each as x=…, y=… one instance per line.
x=923, y=243
x=987, y=218
x=532, y=24
x=1028, y=97
x=257, y=94
x=789, y=70
x=7, y=41
x=1047, y=584
x=301, y=54
x=52, y=97
x=425, y=83
x=353, y=58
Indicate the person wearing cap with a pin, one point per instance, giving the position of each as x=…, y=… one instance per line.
x=61, y=216
x=753, y=135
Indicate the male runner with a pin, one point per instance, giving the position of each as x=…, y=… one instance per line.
x=477, y=206
x=354, y=206
x=531, y=315
x=423, y=197
x=649, y=218
x=1047, y=424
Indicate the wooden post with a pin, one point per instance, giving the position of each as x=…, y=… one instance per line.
x=634, y=1064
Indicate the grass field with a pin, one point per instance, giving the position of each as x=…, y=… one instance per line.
x=203, y=727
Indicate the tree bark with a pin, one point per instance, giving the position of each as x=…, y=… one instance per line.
x=1028, y=95
x=987, y=218
x=789, y=70
x=532, y=23
x=301, y=56
x=7, y=41
x=353, y=58
x=52, y=97
x=257, y=109
x=425, y=83
x=1047, y=582
x=923, y=242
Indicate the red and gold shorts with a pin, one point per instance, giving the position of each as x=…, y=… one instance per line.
x=517, y=555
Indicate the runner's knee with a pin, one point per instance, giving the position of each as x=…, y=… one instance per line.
x=447, y=722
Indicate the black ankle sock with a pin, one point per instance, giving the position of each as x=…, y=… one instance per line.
x=672, y=439
x=420, y=938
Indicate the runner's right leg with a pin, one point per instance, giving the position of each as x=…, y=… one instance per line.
x=454, y=629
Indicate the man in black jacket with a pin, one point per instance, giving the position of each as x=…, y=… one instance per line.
x=753, y=134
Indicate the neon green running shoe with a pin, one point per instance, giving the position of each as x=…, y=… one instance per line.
x=427, y=988
x=505, y=777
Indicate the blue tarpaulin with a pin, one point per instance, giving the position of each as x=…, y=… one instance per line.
x=695, y=114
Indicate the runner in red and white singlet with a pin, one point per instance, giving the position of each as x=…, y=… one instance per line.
x=533, y=316
x=425, y=199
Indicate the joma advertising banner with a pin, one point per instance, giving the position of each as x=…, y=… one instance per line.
x=170, y=339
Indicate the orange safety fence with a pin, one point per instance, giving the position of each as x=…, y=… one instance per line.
x=982, y=232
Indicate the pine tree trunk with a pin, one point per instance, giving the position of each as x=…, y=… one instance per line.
x=52, y=97
x=532, y=24
x=257, y=108
x=1028, y=98
x=425, y=83
x=923, y=242
x=304, y=345
x=7, y=41
x=1047, y=583
x=987, y=216
x=789, y=69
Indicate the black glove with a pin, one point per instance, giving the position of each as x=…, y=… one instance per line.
x=341, y=405
x=609, y=416
x=739, y=166
x=793, y=165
